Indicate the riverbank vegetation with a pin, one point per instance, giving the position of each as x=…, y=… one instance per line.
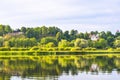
x=54, y=39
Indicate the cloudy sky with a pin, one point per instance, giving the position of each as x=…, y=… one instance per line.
x=83, y=15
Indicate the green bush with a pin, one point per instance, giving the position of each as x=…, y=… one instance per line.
x=67, y=49
x=88, y=48
x=61, y=49
x=76, y=49
x=19, y=49
x=14, y=49
x=110, y=49
x=34, y=48
x=43, y=49
x=56, y=49
x=23, y=49
x=4, y=49
x=93, y=49
x=50, y=49
x=118, y=49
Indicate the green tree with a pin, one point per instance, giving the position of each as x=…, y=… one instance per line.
x=46, y=40
x=86, y=35
x=109, y=34
x=50, y=44
x=23, y=29
x=110, y=41
x=100, y=44
x=66, y=35
x=117, y=34
x=81, y=43
x=63, y=43
x=117, y=43
x=103, y=35
x=2, y=30
x=44, y=30
x=6, y=44
x=1, y=41
x=73, y=34
x=80, y=35
x=8, y=29
x=59, y=36
x=30, y=33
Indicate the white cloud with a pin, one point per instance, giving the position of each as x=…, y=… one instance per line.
x=59, y=12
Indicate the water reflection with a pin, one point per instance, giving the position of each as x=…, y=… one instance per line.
x=53, y=67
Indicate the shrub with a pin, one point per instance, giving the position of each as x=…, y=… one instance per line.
x=93, y=49
x=110, y=49
x=118, y=49
x=76, y=49
x=61, y=49
x=4, y=49
x=14, y=49
x=50, y=49
x=18, y=49
x=34, y=48
x=67, y=49
x=88, y=48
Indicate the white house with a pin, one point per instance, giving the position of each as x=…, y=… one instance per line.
x=94, y=37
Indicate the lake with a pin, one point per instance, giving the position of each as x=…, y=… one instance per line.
x=61, y=67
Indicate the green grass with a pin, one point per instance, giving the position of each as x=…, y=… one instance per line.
x=40, y=53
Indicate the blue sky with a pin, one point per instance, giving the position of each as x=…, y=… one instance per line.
x=83, y=15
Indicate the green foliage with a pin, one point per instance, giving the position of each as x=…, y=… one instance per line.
x=61, y=49
x=4, y=49
x=59, y=36
x=117, y=43
x=35, y=48
x=100, y=44
x=110, y=41
x=66, y=35
x=22, y=42
x=55, y=37
x=81, y=43
x=118, y=38
x=118, y=49
x=76, y=49
x=117, y=34
x=5, y=29
x=50, y=44
x=1, y=41
x=110, y=49
x=73, y=34
x=18, y=49
x=46, y=40
x=63, y=43
x=103, y=35
x=23, y=29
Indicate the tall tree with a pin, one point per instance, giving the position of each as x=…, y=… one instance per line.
x=66, y=35
x=103, y=35
x=117, y=34
x=59, y=36
x=73, y=34
x=8, y=29
x=23, y=29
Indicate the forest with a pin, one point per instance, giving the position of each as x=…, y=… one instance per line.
x=54, y=37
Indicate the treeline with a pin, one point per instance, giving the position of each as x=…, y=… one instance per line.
x=54, y=37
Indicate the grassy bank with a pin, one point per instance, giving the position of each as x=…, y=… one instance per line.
x=37, y=51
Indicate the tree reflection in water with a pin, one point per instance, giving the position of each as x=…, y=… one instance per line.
x=54, y=66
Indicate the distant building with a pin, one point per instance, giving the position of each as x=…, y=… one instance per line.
x=15, y=33
x=94, y=37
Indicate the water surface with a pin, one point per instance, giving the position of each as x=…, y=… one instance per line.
x=71, y=67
